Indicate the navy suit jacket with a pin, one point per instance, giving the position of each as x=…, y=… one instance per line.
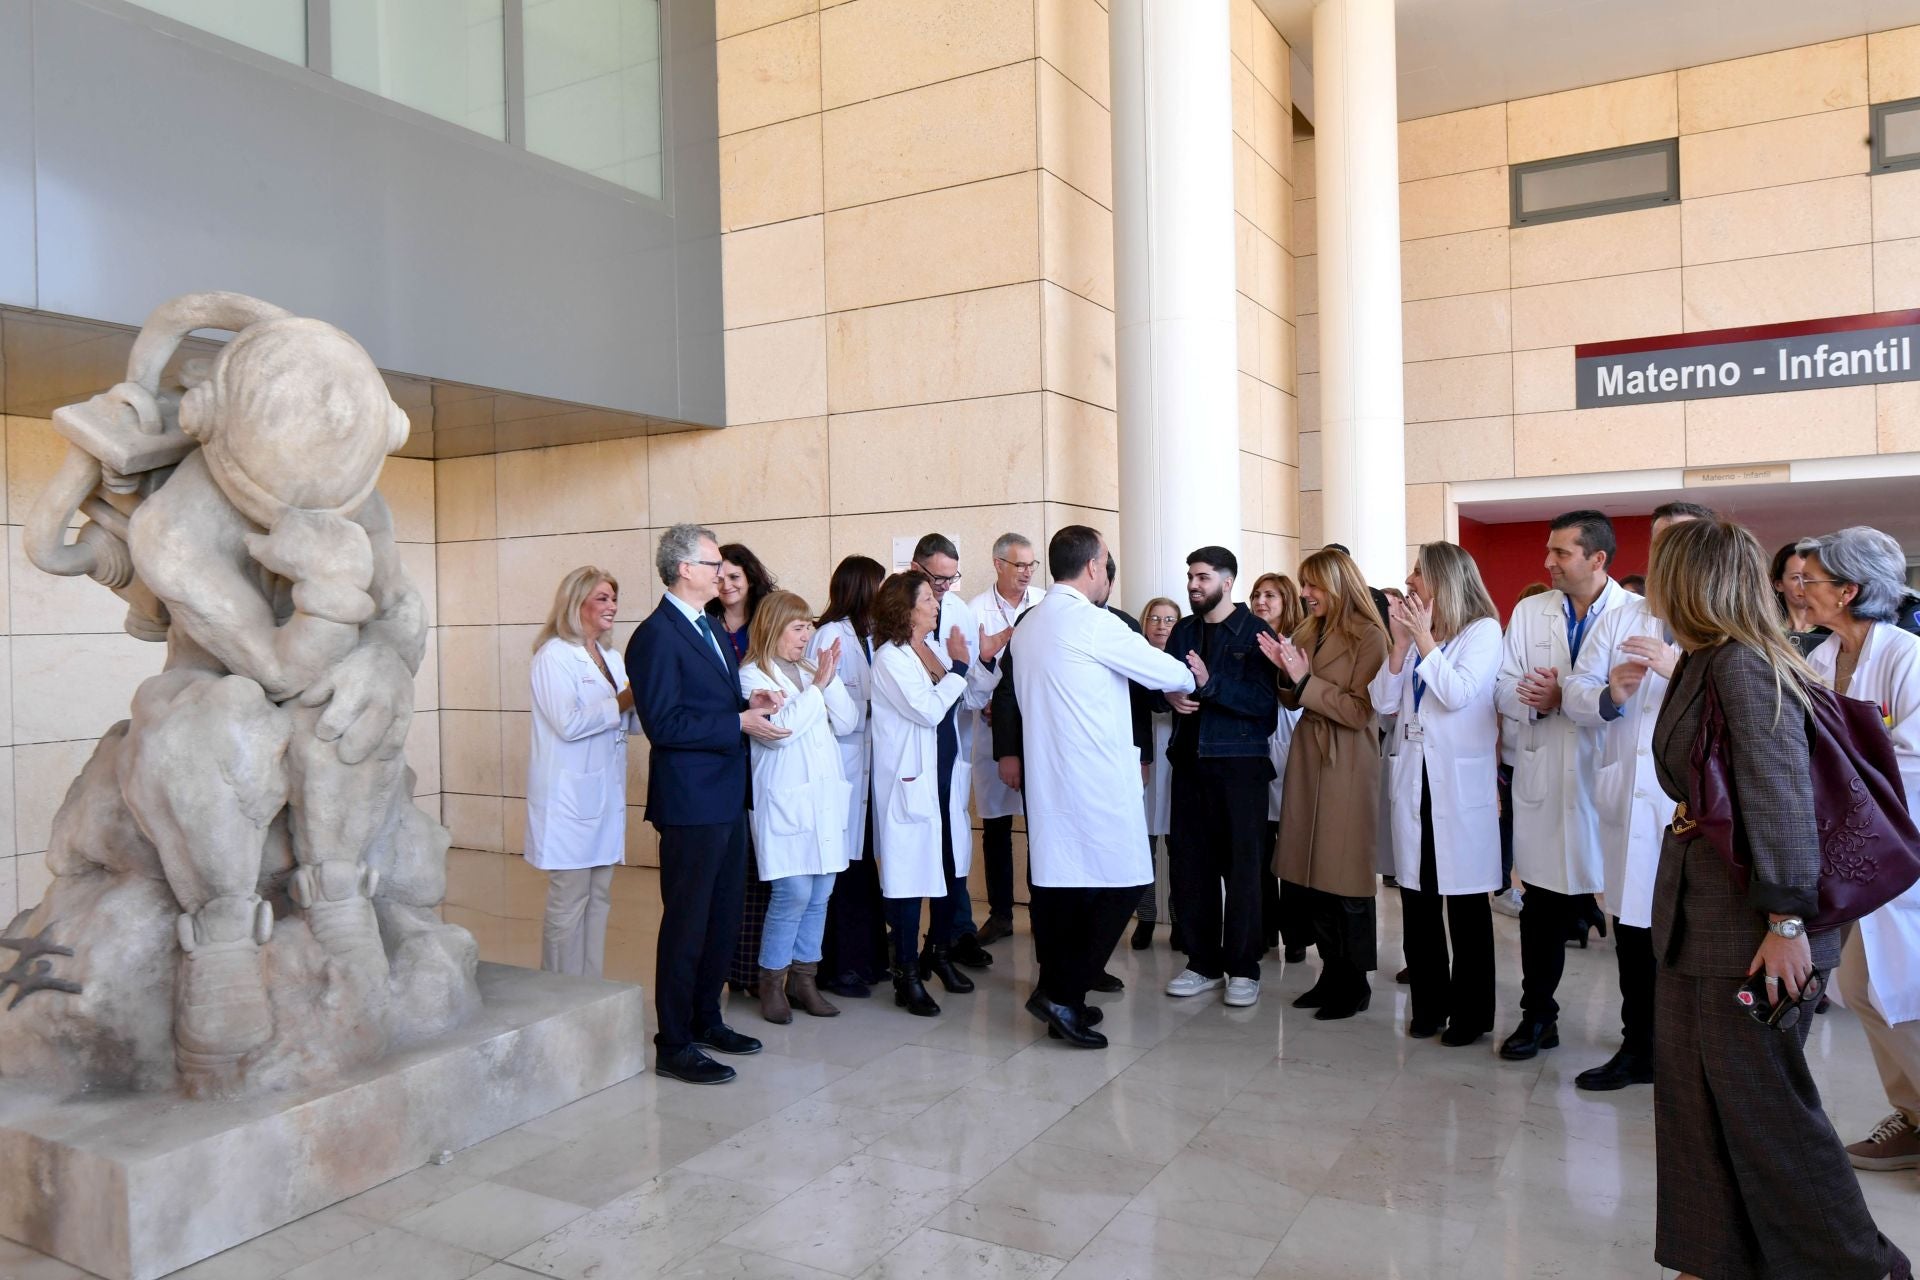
x=689, y=705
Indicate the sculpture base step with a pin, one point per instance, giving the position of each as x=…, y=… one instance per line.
x=132, y=1186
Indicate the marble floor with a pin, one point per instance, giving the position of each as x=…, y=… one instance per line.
x=1205, y=1143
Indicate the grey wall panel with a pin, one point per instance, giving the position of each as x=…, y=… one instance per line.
x=166, y=164
x=693, y=113
x=16, y=153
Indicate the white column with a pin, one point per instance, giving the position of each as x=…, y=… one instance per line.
x=1174, y=288
x=1357, y=179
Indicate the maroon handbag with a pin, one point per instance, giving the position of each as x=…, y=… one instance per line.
x=1869, y=847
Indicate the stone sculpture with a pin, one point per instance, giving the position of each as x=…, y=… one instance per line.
x=248, y=893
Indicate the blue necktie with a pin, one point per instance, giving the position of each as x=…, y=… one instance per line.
x=706, y=629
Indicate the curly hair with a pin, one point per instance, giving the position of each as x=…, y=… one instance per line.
x=893, y=606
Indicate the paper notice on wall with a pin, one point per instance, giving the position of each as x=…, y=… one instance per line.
x=903, y=554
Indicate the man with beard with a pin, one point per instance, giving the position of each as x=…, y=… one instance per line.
x=1221, y=769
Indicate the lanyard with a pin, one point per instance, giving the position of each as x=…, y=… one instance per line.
x=1577, y=629
x=1419, y=685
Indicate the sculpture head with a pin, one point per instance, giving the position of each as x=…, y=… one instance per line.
x=294, y=414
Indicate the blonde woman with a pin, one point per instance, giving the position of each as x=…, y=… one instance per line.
x=1332, y=792
x=1437, y=683
x=800, y=799
x=1156, y=624
x=1275, y=600
x=1752, y=1180
x=577, y=769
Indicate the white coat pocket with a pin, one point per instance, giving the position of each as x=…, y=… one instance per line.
x=1475, y=783
x=579, y=796
x=787, y=811
x=915, y=800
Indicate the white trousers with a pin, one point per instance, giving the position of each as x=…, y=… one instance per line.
x=573, y=938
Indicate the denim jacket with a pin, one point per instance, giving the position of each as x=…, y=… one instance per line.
x=1238, y=704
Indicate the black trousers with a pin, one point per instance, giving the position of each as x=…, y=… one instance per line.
x=1633, y=948
x=903, y=914
x=1460, y=991
x=855, y=943
x=1074, y=931
x=1218, y=827
x=703, y=879
x=996, y=850
x=1345, y=931
x=1546, y=921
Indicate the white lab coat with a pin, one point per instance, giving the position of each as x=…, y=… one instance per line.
x=1086, y=822
x=856, y=745
x=577, y=763
x=1888, y=673
x=1632, y=810
x=1458, y=752
x=1556, y=835
x=1279, y=745
x=1160, y=777
x=907, y=710
x=799, y=816
x=992, y=798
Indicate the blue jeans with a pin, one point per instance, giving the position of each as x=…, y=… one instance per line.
x=796, y=920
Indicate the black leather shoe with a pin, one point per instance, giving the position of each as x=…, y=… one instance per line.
x=1423, y=1030
x=1403, y=977
x=1107, y=983
x=939, y=960
x=1296, y=955
x=911, y=994
x=966, y=950
x=1314, y=996
x=1090, y=1015
x=1459, y=1037
x=1142, y=935
x=692, y=1066
x=1334, y=1010
x=1619, y=1071
x=722, y=1038
x=848, y=985
x=1533, y=1035
x=996, y=928
x=1065, y=1022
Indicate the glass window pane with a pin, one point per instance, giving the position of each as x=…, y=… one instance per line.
x=277, y=27
x=1902, y=133
x=1615, y=178
x=593, y=87
x=442, y=57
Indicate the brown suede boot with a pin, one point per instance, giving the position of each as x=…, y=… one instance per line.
x=803, y=989
x=773, y=996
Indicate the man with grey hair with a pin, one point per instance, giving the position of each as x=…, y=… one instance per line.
x=995, y=610
x=686, y=687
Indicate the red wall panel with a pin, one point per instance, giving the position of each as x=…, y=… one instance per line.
x=1512, y=555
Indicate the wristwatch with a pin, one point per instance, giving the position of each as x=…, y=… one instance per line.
x=1791, y=927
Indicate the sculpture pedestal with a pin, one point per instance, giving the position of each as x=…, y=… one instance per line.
x=133, y=1186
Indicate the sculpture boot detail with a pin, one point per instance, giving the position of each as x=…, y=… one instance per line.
x=220, y=1006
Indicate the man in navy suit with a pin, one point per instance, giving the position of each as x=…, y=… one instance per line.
x=686, y=687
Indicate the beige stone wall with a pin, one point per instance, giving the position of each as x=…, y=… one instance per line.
x=1779, y=220
x=68, y=670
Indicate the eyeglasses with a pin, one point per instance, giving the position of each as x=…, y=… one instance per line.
x=1168, y=618
x=1018, y=566
x=939, y=579
x=1802, y=580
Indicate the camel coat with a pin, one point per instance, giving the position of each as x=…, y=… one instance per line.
x=1329, y=824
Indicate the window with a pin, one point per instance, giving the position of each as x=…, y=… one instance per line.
x=276, y=27
x=1896, y=135
x=443, y=57
x=593, y=87
x=576, y=81
x=1582, y=186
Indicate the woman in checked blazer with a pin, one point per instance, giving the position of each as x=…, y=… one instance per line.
x=1753, y=1181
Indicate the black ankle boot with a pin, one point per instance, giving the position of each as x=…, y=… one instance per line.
x=1143, y=935
x=935, y=960
x=911, y=994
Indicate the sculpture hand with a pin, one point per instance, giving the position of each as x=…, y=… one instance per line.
x=329, y=560
x=369, y=697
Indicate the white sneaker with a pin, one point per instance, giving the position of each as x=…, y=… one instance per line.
x=1507, y=902
x=1242, y=992
x=1189, y=983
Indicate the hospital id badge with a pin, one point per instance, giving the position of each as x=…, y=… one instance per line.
x=1414, y=732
